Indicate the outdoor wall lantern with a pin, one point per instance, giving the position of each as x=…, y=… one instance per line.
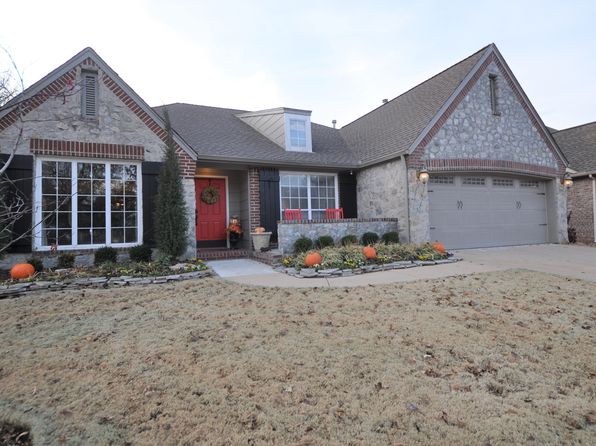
x=423, y=175
x=567, y=180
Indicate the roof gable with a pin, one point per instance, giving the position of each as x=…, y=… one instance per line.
x=60, y=80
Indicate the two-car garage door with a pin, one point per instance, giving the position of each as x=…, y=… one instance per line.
x=469, y=211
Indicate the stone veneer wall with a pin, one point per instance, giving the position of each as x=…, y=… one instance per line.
x=188, y=185
x=382, y=192
x=556, y=206
x=419, y=224
x=472, y=131
x=580, y=202
x=289, y=231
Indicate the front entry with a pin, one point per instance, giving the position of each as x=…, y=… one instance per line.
x=211, y=219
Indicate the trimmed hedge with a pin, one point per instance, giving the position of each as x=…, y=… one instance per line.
x=140, y=253
x=349, y=239
x=390, y=237
x=370, y=238
x=303, y=244
x=324, y=241
x=104, y=255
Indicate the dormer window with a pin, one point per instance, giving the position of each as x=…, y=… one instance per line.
x=298, y=133
x=89, y=94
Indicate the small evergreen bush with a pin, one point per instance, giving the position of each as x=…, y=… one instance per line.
x=390, y=237
x=370, y=238
x=140, y=253
x=105, y=254
x=349, y=239
x=66, y=260
x=36, y=262
x=324, y=241
x=303, y=244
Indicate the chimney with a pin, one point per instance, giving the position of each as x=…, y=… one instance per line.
x=385, y=101
x=334, y=122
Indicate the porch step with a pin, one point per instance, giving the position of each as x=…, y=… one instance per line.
x=221, y=253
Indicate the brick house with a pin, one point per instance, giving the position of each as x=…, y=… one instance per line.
x=579, y=145
x=91, y=150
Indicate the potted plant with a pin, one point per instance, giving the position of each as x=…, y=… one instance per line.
x=260, y=239
x=234, y=231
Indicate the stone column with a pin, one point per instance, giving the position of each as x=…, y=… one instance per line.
x=188, y=185
x=418, y=209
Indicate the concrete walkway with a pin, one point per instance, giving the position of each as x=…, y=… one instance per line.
x=565, y=260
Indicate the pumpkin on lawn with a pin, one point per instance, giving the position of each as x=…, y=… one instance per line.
x=22, y=271
x=369, y=252
x=312, y=259
x=440, y=247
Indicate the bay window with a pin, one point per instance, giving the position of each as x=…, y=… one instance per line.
x=87, y=204
x=312, y=193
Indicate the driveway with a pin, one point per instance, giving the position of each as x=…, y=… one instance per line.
x=564, y=260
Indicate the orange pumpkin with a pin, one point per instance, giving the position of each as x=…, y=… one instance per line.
x=259, y=230
x=369, y=252
x=22, y=271
x=440, y=247
x=312, y=259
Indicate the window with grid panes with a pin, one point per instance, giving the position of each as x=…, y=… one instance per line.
x=313, y=194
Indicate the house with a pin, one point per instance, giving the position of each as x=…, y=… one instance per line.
x=93, y=148
x=579, y=145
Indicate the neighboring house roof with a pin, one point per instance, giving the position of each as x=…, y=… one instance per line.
x=218, y=134
x=391, y=129
x=579, y=145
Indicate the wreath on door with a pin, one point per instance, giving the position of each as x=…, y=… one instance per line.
x=210, y=195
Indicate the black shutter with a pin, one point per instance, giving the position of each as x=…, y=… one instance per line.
x=150, y=178
x=19, y=176
x=347, y=194
x=269, y=199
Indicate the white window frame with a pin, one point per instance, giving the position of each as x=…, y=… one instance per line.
x=308, y=194
x=37, y=208
x=306, y=119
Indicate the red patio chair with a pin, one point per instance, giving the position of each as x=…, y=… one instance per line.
x=334, y=214
x=293, y=214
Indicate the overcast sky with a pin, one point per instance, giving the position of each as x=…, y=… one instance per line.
x=336, y=58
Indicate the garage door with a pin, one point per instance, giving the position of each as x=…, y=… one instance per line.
x=482, y=211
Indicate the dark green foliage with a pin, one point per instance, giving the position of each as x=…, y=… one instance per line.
x=170, y=214
x=140, y=253
x=390, y=237
x=66, y=260
x=105, y=254
x=303, y=244
x=36, y=262
x=349, y=239
x=370, y=238
x=324, y=241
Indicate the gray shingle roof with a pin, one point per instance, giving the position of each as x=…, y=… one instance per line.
x=579, y=146
x=217, y=133
x=388, y=131
x=392, y=128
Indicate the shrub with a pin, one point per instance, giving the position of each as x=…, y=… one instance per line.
x=324, y=241
x=390, y=237
x=370, y=238
x=170, y=216
x=105, y=254
x=303, y=244
x=36, y=262
x=140, y=253
x=66, y=260
x=349, y=239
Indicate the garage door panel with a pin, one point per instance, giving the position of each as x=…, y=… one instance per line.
x=498, y=213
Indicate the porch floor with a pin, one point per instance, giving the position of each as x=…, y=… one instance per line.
x=272, y=257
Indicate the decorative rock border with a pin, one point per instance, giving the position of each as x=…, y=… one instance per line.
x=14, y=290
x=308, y=273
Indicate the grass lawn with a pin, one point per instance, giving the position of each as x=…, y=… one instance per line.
x=490, y=359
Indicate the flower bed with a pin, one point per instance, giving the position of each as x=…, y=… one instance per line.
x=351, y=259
x=105, y=275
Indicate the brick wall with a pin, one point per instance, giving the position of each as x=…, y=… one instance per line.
x=86, y=149
x=254, y=199
x=580, y=203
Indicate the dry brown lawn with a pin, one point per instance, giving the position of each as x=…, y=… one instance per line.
x=500, y=358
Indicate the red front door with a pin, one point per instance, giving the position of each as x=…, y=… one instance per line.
x=211, y=218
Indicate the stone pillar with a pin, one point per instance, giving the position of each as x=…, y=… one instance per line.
x=556, y=205
x=418, y=209
x=254, y=199
x=188, y=185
